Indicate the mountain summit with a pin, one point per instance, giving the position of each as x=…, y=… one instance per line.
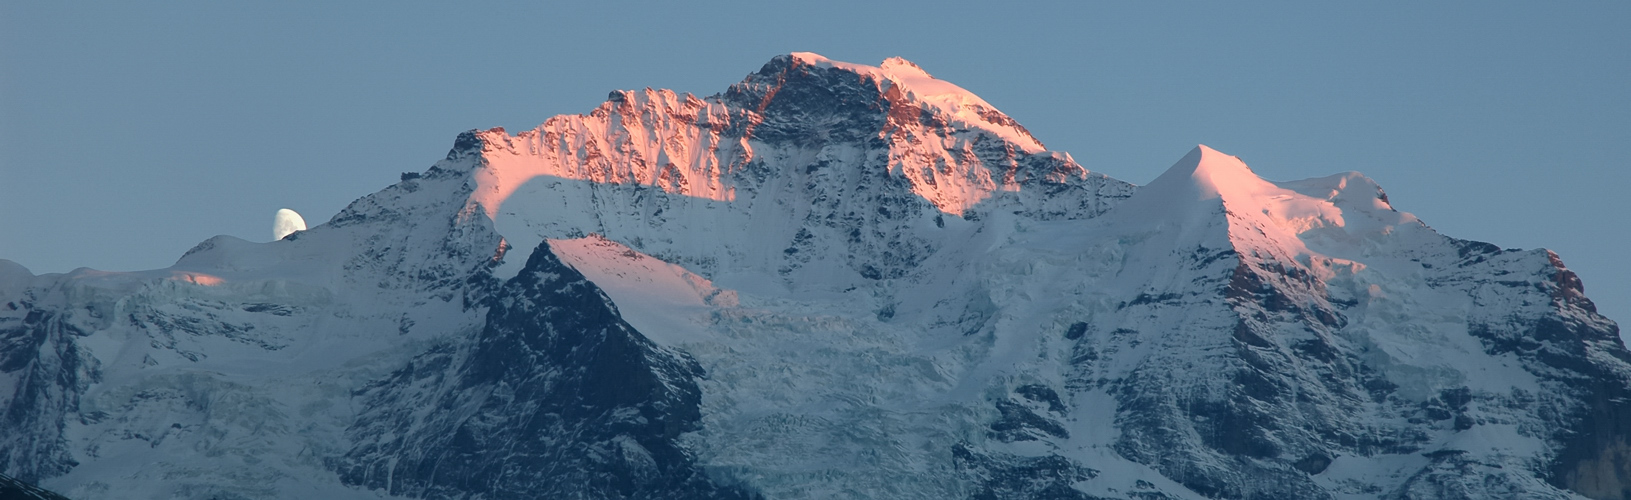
x=830, y=280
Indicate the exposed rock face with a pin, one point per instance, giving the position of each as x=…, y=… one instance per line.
x=14, y=489
x=47, y=372
x=556, y=397
x=806, y=152
x=831, y=280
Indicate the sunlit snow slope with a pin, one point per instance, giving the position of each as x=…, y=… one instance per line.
x=830, y=281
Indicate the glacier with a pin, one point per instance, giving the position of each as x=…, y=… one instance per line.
x=830, y=280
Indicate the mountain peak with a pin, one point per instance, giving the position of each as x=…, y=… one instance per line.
x=893, y=65
x=1212, y=174
x=1196, y=185
x=905, y=83
x=949, y=146
x=1210, y=197
x=901, y=65
x=893, y=71
x=827, y=253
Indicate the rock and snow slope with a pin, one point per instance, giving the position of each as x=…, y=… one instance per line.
x=831, y=280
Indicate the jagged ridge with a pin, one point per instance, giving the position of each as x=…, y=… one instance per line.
x=872, y=284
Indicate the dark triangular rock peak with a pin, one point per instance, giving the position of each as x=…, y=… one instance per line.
x=831, y=280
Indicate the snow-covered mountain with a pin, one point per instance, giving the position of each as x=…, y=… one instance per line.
x=830, y=281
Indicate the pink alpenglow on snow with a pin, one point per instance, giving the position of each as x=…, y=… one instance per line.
x=691, y=146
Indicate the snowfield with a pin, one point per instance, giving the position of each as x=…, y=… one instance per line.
x=830, y=281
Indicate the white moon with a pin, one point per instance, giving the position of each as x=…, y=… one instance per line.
x=286, y=221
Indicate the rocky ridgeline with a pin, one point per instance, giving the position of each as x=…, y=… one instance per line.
x=831, y=280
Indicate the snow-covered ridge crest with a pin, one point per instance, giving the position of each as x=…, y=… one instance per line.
x=910, y=81
x=953, y=148
x=652, y=138
x=799, y=153
x=1336, y=212
x=828, y=283
x=1301, y=236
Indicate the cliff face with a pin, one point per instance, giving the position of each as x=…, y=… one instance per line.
x=831, y=280
x=555, y=397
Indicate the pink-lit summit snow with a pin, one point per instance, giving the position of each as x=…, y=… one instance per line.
x=830, y=280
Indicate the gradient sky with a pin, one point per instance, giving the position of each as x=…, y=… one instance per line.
x=130, y=131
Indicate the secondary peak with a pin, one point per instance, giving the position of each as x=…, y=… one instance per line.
x=1209, y=173
x=900, y=65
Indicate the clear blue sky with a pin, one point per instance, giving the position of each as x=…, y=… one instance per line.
x=130, y=131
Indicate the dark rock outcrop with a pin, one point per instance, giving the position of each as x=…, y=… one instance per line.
x=556, y=397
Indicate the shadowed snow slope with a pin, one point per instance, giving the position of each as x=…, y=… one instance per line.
x=829, y=281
